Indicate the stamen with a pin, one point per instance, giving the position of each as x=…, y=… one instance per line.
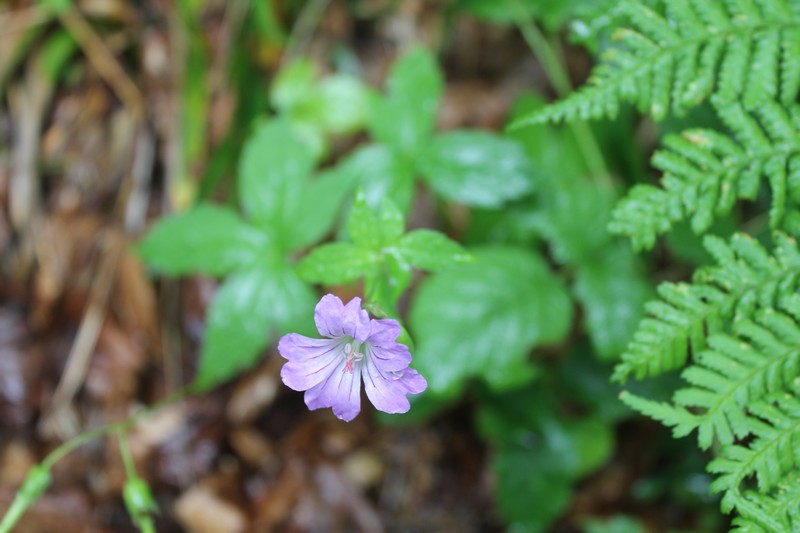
x=352, y=354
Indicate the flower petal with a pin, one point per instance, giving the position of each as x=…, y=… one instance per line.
x=341, y=391
x=389, y=358
x=384, y=332
x=335, y=319
x=412, y=381
x=384, y=390
x=310, y=360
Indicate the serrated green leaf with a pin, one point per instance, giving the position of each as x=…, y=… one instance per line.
x=362, y=225
x=208, y=239
x=337, y=263
x=382, y=174
x=249, y=308
x=487, y=315
x=405, y=118
x=476, y=168
x=613, y=290
x=273, y=170
x=431, y=250
x=392, y=223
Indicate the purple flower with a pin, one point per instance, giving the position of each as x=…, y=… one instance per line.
x=330, y=370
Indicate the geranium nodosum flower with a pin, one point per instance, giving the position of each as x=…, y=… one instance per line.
x=330, y=370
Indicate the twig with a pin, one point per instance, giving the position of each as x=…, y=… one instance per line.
x=303, y=29
x=22, y=20
x=138, y=189
x=103, y=61
x=60, y=418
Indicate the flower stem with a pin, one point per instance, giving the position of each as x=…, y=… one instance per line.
x=38, y=477
x=558, y=78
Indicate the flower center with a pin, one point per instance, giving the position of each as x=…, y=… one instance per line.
x=352, y=354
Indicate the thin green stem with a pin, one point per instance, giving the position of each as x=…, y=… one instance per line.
x=23, y=500
x=125, y=453
x=14, y=513
x=558, y=78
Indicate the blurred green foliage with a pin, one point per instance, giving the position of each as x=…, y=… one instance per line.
x=522, y=309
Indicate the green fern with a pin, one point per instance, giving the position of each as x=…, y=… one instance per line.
x=746, y=276
x=742, y=385
x=746, y=50
x=705, y=172
x=762, y=480
x=735, y=329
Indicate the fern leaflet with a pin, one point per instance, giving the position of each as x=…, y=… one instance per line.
x=738, y=50
x=705, y=172
x=746, y=276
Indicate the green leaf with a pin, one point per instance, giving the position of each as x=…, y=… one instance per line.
x=337, y=263
x=208, y=239
x=541, y=454
x=553, y=14
x=613, y=291
x=476, y=168
x=273, y=170
x=482, y=318
x=293, y=85
x=391, y=221
x=390, y=282
x=340, y=104
x=405, y=118
x=362, y=225
x=584, y=379
x=574, y=216
x=431, y=250
x=55, y=54
x=139, y=500
x=382, y=174
x=529, y=494
x=58, y=6
x=615, y=524
x=247, y=309
x=320, y=201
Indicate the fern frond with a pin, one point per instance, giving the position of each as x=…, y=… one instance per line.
x=705, y=172
x=696, y=48
x=742, y=389
x=746, y=276
x=771, y=459
x=763, y=359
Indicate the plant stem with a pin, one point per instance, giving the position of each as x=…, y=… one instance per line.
x=558, y=78
x=125, y=453
x=22, y=502
x=14, y=512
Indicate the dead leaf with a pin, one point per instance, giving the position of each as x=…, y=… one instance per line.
x=201, y=511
